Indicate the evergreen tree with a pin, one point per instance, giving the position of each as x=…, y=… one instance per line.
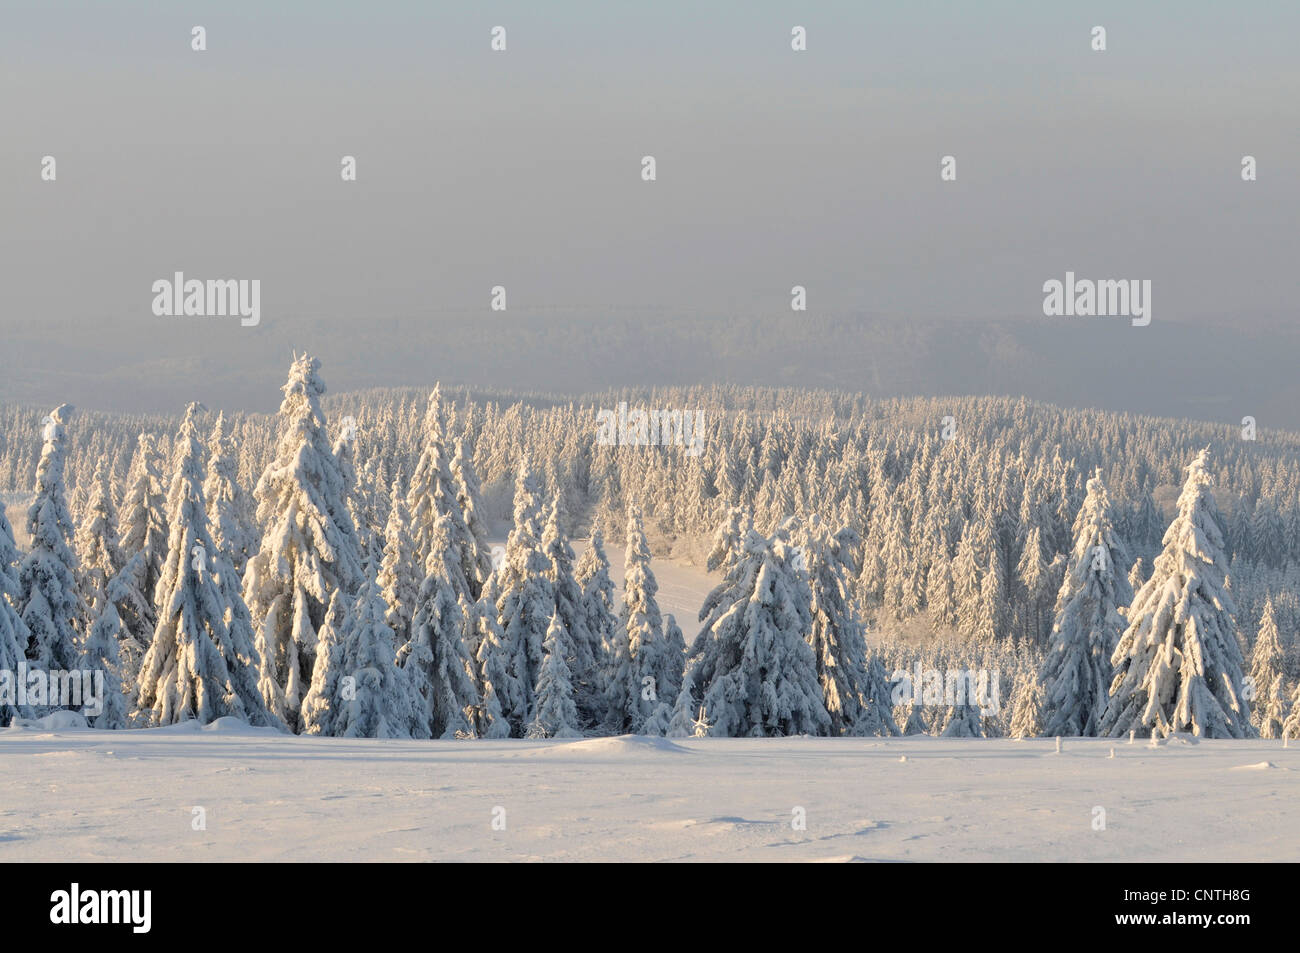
x=1266, y=676
x=557, y=715
x=1138, y=574
x=436, y=659
x=1291, y=725
x=309, y=547
x=1178, y=664
x=379, y=705
x=13, y=631
x=9, y=558
x=252, y=677
x=477, y=554
x=527, y=599
x=397, y=570
x=674, y=658
x=571, y=607
x=1077, y=672
x=49, y=599
x=96, y=544
x=915, y=722
x=682, y=723
x=195, y=667
x=641, y=662
x=592, y=574
x=730, y=540
x=854, y=689
x=101, y=654
x=96, y=538
x=226, y=503
x=1274, y=709
x=317, y=714
x=1033, y=576
x=499, y=690
x=142, y=518
x=963, y=721
x=433, y=496
x=1027, y=716
x=750, y=666
x=660, y=720
x=143, y=513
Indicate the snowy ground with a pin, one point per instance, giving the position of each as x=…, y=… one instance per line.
x=86, y=795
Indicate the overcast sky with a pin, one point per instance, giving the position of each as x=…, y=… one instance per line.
x=522, y=168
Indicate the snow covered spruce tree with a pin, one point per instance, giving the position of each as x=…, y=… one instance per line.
x=1266, y=677
x=1291, y=726
x=557, y=715
x=433, y=496
x=499, y=690
x=226, y=503
x=198, y=666
x=435, y=658
x=1027, y=713
x=1034, y=577
x=685, y=714
x=398, y=567
x=675, y=653
x=101, y=653
x=96, y=538
x=1178, y=667
x=477, y=553
x=729, y=540
x=527, y=598
x=963, y=721
x=142, y=519
x=309, y=548
x=592, y=575
x=572, y=610
x=13, y=631
x=855, y=690
x=1274, y=709
x=316, y=716
x=750, y=667
x=96, y=544
x=49, y=599
x=379, y=702
x=642, y=668
x=345, y=454
x=1077, y=672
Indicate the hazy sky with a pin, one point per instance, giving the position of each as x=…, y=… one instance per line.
x=522, y=168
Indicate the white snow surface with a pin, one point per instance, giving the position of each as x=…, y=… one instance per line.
x=87, y=795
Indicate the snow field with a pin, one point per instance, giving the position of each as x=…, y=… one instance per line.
x=115, y=796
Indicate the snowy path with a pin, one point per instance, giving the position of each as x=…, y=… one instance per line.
x=84, y=795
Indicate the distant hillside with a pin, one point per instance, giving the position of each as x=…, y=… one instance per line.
x=1201, y=372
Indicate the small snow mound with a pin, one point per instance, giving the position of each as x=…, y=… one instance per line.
x=842, y=859
x=226, y=725
x=1176, y=738
x=61, y=720
x=1259, y=766
x=230, y=725
x=622, y=745
x=180, y=726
